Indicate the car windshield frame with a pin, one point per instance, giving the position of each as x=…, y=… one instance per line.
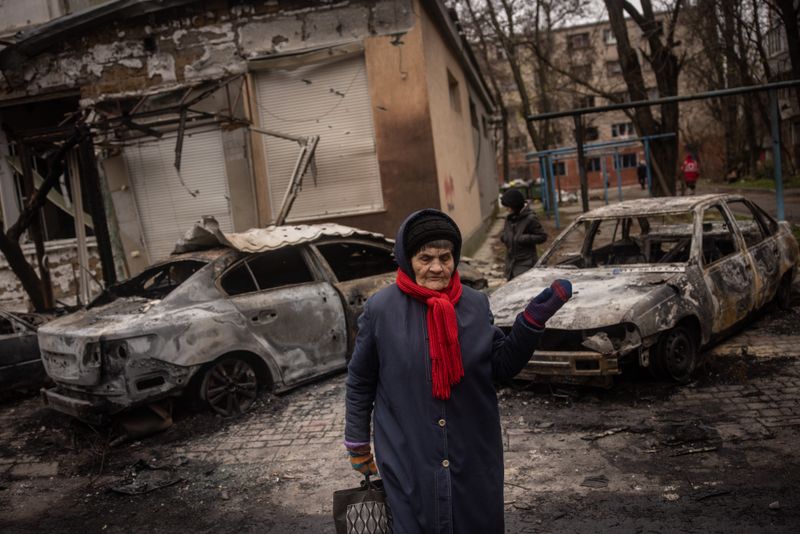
x=636, y=233
x=134, y=286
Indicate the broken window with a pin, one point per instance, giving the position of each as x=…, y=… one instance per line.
x=567, y=250
x=154, y=283
x=278, y=268
x=751, y=226
x=455, y=92
x=356, y=260
x=644, y=239
x=718, y=240
x=238, y=280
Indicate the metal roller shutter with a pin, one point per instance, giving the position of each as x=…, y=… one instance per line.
x=330, y=100
x=167, y=208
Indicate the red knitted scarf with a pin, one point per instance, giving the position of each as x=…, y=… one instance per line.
x=445, y=351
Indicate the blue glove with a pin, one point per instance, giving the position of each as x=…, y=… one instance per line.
x=547, y=303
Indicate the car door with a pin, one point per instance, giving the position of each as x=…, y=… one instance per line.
x=291, y=311
x=762, y=248
x=727, y=271
x=360, y=269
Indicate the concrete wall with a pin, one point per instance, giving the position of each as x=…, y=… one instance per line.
x=62, y=258
x=205, y=40
x=456, y=152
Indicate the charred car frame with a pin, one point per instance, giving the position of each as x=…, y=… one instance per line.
x=224, y=316
x=655, y=280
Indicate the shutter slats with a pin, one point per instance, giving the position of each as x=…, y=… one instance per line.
x=167, y=210
x=308, y=101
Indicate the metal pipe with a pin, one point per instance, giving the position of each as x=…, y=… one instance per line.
x=80, y=228
x=664, y=100
x=545, y=187
x=605, y=178
x=598, y=146
x=618, y=166
x=775, y=124
x=554, y=197
x=647, y=162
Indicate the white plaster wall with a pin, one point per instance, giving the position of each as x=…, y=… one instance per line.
x=63, y=260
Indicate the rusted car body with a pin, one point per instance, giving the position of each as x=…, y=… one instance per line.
x=226, y=315
x=654, y=281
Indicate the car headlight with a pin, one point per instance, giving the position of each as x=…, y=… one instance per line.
x=92, y=355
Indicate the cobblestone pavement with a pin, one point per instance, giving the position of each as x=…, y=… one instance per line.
x=667, y=459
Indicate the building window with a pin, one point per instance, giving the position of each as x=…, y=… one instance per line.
x=618, y=96
x=593, y=165
x=585, y=102
x=520, y=172
x=578, y=40
x=455, y=92
x=581, y=72
x=628, y=161
x=518, y=142
x=622, y=129
x=559, y=168
x=608, y=37
x=776, y=41
x=590, y=133
x=613, y=68
x=473, y=114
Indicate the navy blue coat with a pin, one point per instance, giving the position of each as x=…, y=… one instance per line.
x=441, y=461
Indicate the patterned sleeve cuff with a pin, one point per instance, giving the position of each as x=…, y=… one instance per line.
x=355, y=444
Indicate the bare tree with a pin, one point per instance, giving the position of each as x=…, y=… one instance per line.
x=666, y=65
x=477, y=34
x=10, y=245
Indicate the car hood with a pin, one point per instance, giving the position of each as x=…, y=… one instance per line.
x=601, y=297
x=122, y=317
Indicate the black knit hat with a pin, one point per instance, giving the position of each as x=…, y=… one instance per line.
x=428, y=226
x=513, y=199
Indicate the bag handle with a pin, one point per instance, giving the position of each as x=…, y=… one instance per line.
x=366, y=483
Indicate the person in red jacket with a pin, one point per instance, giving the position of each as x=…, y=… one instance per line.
x=691, y=172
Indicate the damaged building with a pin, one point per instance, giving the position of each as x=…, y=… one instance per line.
x=163, y=112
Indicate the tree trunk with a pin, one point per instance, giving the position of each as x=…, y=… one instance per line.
x=24, y=271
x=666, y=67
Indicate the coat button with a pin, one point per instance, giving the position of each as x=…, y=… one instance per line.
x=442, y=422
x=445, y=463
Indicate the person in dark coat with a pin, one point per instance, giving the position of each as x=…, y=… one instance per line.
x=521, y=233
x=422, y=372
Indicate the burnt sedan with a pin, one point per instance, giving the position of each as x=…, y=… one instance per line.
x=224, y=316
x=654, y=280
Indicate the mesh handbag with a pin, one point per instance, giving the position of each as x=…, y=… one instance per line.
x=362, y=510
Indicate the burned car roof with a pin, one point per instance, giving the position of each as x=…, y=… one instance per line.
x=207, y=234
x=655, y=205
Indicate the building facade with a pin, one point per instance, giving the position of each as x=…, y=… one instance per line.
x=178, y=95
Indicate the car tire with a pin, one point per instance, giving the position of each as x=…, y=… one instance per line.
x=675, y=355
x=229, y=386
x=783, y=296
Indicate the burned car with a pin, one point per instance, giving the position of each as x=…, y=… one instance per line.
x=654, y=280
x=20, y=364
x=224, y=316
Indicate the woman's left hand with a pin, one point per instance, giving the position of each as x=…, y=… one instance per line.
x=547, y=303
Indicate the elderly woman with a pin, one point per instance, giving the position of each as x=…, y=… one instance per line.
x=422, y=369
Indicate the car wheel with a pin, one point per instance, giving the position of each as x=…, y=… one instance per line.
x=229, y=386
x=676, y=355
x=783, y=296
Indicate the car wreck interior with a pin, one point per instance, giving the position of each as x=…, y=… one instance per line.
x=154, y=283
x=659, y=239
